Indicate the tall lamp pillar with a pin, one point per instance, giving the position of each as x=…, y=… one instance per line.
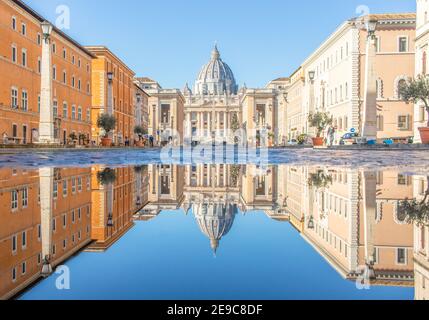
x=311, y=106
x=369, y=127
x=46, y=120
x=46, y=179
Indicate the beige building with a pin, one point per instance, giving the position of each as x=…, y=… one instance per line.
x=422, y=51
x=335, y=79
x=165, y=112
x=296, y=123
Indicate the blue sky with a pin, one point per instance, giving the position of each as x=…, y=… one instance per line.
x=169, y=40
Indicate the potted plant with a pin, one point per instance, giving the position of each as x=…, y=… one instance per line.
x=415, y=211
x=140, y=132
x=73, y=138
x=106, y=177
x=106, y=122
x=320, y=121
x=416, y=91
x=271, y=137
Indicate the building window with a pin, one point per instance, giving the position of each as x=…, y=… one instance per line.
x=88, y=115
x=14, y=23
x=79, y=84
x=165, y=113
x=402, y=83
x=73, y=81
x=64, y=54
x=39, y=65
x=14, y=54
x=24, y=100
x=23, y=29
x=55, y=108
x=65, y=110
x=403, y=122
x=54, y=48
x=79, y=113
x=73, y=59
x=39, y=39
x=54, y=72
x=55, y=190
x=14, y=244
x=54, y=224
x=401, y=256
x=73, y=214
x=25, y=197
x=403, y=44
x=73, y=185
x=377, y=44
x=73, y=115
x=14, y=131
x=39, y=232
x=64, y=221
x=65, y=188
x=64, y=77
x=380, y=123
x=24, y=239
x=14, y=199
x=13, y=274
x=14, y=98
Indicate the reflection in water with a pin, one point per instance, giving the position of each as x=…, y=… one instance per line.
x=351, y=218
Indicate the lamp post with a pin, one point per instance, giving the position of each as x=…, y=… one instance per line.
x=46, y=116
x=369, y=125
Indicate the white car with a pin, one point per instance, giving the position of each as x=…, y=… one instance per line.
x=292, y=142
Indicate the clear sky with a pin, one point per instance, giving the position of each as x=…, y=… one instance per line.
x=169, y=40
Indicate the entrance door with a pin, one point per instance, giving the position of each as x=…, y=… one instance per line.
x=64, y=137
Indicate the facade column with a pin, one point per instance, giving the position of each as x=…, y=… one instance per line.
x=218, y=123
x=46, y=180
x=224, y=124
x=46, y=120
x=369, y=126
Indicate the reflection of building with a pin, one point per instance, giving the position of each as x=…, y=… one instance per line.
x=212, y=193
x=67, y=89
x=165, y=189
x=114, y=204
x=354, y=223
x=46, y=219
x=421, y=244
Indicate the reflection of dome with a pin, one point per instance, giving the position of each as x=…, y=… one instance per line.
x=215, y=220
x=216, y=77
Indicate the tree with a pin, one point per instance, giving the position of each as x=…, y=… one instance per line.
x=106, y=177
x=140, y=131
x=320, y=121
x=107, y=122
x=415, y=91
x=416, y=211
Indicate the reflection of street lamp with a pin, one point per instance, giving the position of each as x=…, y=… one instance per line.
x=110, y=220
x=371, y=25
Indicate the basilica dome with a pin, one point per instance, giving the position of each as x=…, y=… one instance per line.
x=216, y=77
x=215, y=220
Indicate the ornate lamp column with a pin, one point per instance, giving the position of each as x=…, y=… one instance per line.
x=110, y=106
x=369, y=126
x=369, y=186
x=311, y=106
x=46, y=180
x=46, y=120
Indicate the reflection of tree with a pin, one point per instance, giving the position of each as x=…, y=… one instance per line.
x=415, y=211
x=320, y=180
x=106, y=177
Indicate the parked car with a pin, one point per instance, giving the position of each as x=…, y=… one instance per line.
x=351, y=139
x=292, y=142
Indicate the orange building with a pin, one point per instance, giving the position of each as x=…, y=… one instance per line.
x=20, y=83
x=63, y=226
x=114, y=204
x=113, y=93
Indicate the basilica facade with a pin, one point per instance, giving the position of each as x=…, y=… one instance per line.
x=217, y=110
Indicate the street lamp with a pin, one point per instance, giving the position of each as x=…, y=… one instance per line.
x=311, y=75
x=46, y=29
x=311, y=223
x=371, y=25
x=110, y=220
